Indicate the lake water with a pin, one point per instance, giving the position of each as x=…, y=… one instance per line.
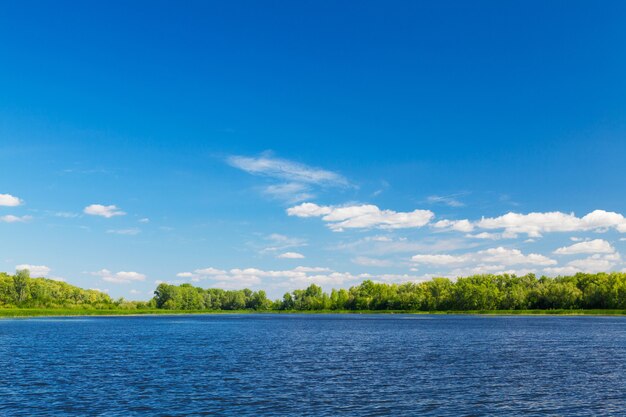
x=313, y=365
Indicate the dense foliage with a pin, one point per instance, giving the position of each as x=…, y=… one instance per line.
x=479, y=292
x=188, y=297
x=20, y=290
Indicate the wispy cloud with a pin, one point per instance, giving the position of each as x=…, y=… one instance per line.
x=266, y=165
x=293, y=181
x=10, y=218
x=66, y=214
x=291, y=192
x=371, y=262
x=447, y=200
x=128, y=232
x=278, y=242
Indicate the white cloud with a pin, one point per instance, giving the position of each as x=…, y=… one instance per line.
x=8, y=200
x=269, y=166
x=513, y=257
x=488, y=269
x=291, y=255
x=485, y=235
x=36, y=271
x=209, y=271
x=592, y=264
x=438, y=259
x=362, y=216
x=309, y=210
x=562, y=270
x=311, y=269
x=9, y=218
x=534, y=224
x=365, y=261
x=104, y=211
x=203, y=273
x=457, y=225
x=289, y=279
x=144, y=220
x=590, y=246
x=128, y=232
x=499, y=256
x=122, y=277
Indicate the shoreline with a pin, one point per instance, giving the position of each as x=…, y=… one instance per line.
x=43, y=312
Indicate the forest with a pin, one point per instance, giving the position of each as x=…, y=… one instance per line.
x=479, y=292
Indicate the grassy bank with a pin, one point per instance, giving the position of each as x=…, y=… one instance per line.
x=57, y=312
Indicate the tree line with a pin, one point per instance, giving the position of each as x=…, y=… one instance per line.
x=478, y=292
x=20, y=290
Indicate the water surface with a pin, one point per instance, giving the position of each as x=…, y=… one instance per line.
x=313, y=365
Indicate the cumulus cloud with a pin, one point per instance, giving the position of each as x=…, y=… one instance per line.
x=457, y=225
x=202, y=273
x=439, y=259
x=9, y=218
x=590, y=246
x=489, y=269
x=534, y=224
x=36, y=271
x=291, y=255
x=592, y=264
x=7, y=200
x=122, y=277
x=289, y=279
x=364, y=216
x=104, y=211
x=513, y=257
x=499, y=256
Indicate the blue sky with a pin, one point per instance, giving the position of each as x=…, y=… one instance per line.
x=274, y=144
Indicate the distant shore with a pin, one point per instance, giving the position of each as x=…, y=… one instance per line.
x=54, y=312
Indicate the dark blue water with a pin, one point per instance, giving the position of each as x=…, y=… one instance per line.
x=313, y=365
